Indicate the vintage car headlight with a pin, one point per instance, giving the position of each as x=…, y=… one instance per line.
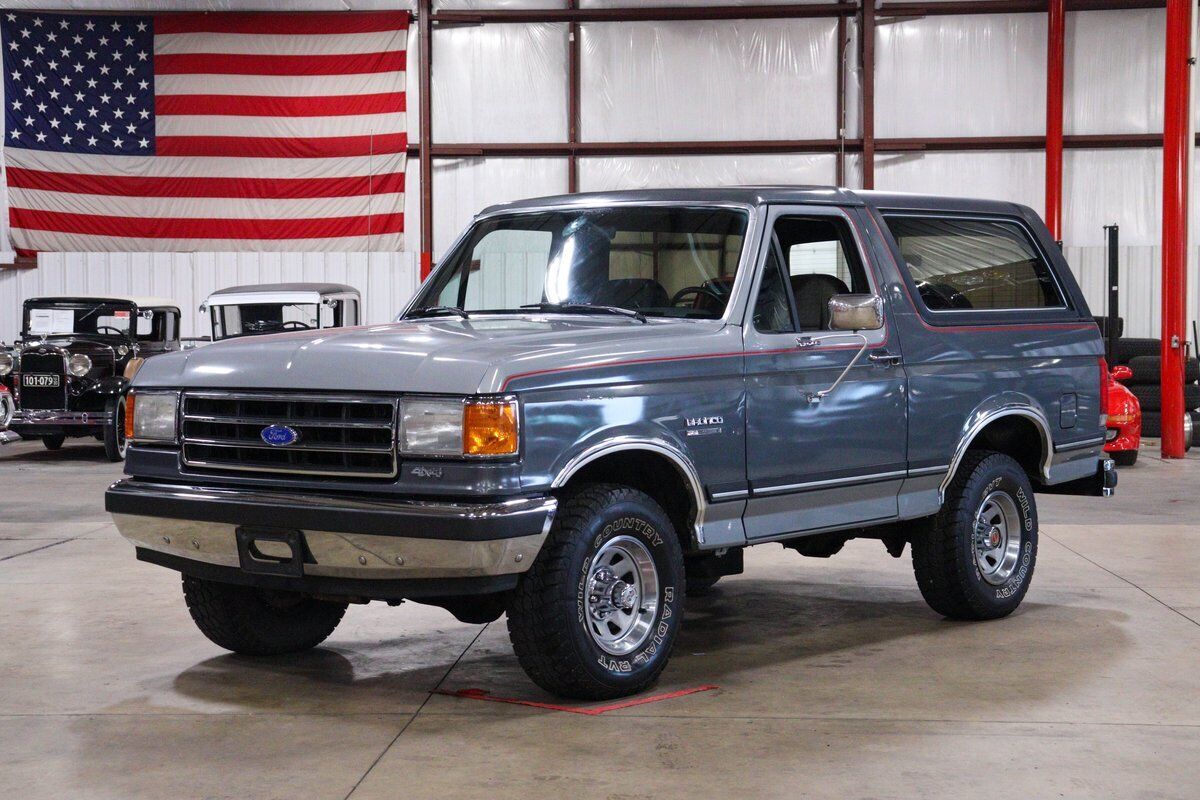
x=458, y=427
x=79, y=365
x=6, y=363
x=150, y=417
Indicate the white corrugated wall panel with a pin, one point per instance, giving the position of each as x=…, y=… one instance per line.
x=386, y=280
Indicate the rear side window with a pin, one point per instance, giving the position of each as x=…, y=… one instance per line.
x=974, y=264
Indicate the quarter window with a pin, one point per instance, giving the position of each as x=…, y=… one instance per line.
x=971, y=264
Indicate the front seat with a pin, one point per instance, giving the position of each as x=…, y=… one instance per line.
x=631, y=293
x=812, y=293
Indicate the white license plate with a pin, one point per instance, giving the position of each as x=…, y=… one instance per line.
x=41, y=381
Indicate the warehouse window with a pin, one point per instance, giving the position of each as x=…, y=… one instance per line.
x=961, y=264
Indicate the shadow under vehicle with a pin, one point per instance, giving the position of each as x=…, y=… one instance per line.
x=69, y=369
x=278, y=307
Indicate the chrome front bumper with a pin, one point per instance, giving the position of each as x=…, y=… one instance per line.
x=39, y=418
x=346, y=538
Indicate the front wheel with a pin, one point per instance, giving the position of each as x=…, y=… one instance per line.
x=596, y=615
x=54, y=441
x=258, y=622
x=976, y=559
x=115, y=443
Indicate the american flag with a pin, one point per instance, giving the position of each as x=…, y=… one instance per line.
x=205, y=132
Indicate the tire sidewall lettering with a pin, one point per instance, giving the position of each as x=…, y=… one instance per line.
x=657, y=644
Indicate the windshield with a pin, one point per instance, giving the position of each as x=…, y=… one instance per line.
x=666, y=262
x=103, y=319
x=256, y=318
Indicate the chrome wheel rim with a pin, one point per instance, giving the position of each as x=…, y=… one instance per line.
x=122, y=444
x=622, y=595
x=997, y=537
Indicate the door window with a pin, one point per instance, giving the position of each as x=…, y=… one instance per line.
x=820, y=261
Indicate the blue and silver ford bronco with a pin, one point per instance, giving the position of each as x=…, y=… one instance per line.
x=596, y=402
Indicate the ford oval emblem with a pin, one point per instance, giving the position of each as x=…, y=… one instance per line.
x=279, y=435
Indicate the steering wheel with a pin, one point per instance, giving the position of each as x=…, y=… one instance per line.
x=103, y=328
x=699, y=291
x=296, y=325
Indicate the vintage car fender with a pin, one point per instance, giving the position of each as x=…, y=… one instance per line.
x=132, y=366
x=112, y=386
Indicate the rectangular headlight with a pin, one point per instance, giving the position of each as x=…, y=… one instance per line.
x=458, y=427
x=150, y=417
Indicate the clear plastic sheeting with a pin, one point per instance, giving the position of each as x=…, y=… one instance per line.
x=1005, y=175
x=508, y=5
x=1114, y=71
x=660, y=172
x=500, y=83
x=972, y=75
x=465, y=186
x=697, y=81
x=149, y=6
x=1102, y=187
x=690, y=3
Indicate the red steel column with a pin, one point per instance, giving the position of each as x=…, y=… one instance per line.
x=1176, y=118
x=425, y=125
x=1055, y=46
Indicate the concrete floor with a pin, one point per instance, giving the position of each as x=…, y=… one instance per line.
x=835, y=679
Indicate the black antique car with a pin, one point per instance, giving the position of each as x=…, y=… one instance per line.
x=76, y=355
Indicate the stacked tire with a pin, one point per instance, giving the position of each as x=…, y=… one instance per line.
x=1142, y=357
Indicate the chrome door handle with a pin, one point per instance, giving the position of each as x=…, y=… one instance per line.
x=886, y=358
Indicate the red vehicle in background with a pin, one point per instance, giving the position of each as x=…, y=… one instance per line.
x=1124, y=435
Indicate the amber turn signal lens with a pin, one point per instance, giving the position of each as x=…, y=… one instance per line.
x=490, y=429
x=128, y=417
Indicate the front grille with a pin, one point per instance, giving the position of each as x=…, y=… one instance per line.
x=42, y=398
x=335, y=435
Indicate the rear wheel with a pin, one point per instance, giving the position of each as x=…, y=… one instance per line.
x=114, y=433
x=53, y=441
x=976, y=559
x=596, y=615
x=257, y=622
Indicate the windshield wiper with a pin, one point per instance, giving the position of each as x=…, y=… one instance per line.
x=586, y=308
x=429, y=311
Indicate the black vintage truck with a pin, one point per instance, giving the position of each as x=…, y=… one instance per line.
x=76, y=355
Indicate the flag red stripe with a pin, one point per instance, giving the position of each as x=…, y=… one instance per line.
x=261, y=147
x=272, y=106
x=189, y=228
x=255, y=188
x=304, y=24
x=247, y=64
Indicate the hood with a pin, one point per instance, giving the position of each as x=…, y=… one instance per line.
x=443, y=356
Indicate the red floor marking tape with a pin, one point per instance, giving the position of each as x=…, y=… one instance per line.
x=482, y=694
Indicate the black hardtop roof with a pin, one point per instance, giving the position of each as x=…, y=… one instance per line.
x=83, y=299
x=768, y=195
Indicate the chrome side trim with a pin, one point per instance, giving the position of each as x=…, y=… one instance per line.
x=916, y=473
x=659, y=446
x=827, y=484
x=1007, y=410
x=739, y=494
x=1066, y=448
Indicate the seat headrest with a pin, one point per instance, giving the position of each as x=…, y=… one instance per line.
x=812, y=293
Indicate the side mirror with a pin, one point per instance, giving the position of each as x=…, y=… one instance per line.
x=1121, y=373
x=855, y=312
